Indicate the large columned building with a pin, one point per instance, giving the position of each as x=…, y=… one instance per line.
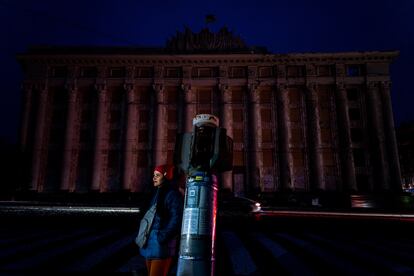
x=99, y=119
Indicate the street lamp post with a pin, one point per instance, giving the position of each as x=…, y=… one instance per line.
x=201, y=154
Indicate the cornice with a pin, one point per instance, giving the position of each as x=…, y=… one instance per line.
x=209, y=59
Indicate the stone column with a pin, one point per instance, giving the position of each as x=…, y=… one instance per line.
x=189, y=107
x=101, y=141
x=378, y=135
x=286, y=162
x=130, y=180
x=316, y=162
x=227, y=123
x=27, y=91
x=392, y=141
x=254, y=137
x=160, y=141
x=71, y=147
x=40, y=149
x=347, y=157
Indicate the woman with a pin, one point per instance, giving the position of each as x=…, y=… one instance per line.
x=162, y=243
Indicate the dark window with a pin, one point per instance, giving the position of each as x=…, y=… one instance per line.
x=114, y=136
x=359, y=157
x=85, y=135
x=354, y=114
x=266, y=72
x=352, y=94
x=115, y=116
x=296, y=71
x=144, y=116
x=362, y=183
x=205, y=72
x=117, y=97
x=267, y=158
x=267, y=135
x=266, y=115
x=354, y=70
x=143, y=136
x=59, y=71
x=172, y=116
x=238, y=115
x=238, y=135
x=89, y=72
x=172, y=96
x=238, y=72
x=117, y=72
x=204, y=96
x=237, y=95
x=171, y=135
x=142, y=158
x=56, y=135
x=113, y=159
x=357, y=136
x=145, y=72
x=325, y=70
x=173, y=72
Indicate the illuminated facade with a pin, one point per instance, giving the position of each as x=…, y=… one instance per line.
x=99, y=119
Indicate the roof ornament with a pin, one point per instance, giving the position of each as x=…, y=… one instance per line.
x=206, y=41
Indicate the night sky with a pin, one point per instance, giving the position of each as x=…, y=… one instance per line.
x=282, y=26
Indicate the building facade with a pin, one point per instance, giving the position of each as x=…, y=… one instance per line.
x=405, y=138
x=99, y=119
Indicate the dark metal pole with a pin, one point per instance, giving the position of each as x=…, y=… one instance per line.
x=197, y=254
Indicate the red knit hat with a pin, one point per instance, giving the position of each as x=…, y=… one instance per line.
x=167, y=170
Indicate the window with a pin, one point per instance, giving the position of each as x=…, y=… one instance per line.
x=357, y=135
x=266, y=115
x=115, y=116
x=354, y=114
x=237, y=115
x=205, y=72
x=114, y=136
x=172, y=116
x=59, y=71
x=172, y=95
x=173, y=72
x=267, y=135
x=296, y=71
x=238, y=72
x=85, y=135
x=113, y=159
x=362, y=183
x=143, y=116
x=117, y=72
x=237, y=95
x=354, y=70
x=144, y=72
x=171, y=135
x=143, y=136
x=89, y=72
x=325, y=70
x=142, y=158
x=267, y=158
x=144, y=95
x=295, y=115
x=359, y=157
x=238, y=135
x=204, y=96
x=352, y=94
x=265, y=96
x=266, y=72
x=238, y=158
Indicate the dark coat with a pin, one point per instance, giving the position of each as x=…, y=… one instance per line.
x=165, y=231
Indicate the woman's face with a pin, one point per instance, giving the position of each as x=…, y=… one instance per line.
x=158, y=178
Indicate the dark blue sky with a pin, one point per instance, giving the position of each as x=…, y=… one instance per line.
x=281, y=26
